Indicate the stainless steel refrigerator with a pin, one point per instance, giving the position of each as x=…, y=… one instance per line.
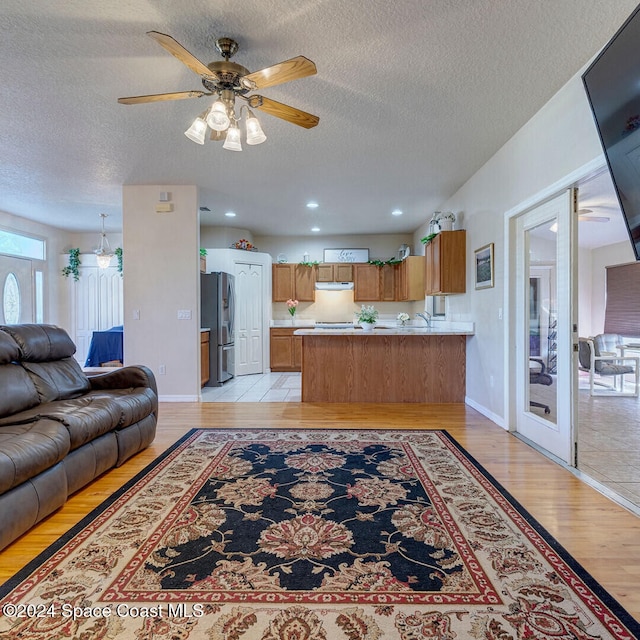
x=217, y=302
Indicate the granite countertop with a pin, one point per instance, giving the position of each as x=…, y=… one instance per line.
x=388, y=331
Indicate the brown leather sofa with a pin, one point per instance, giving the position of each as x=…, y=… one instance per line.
x=60, y=429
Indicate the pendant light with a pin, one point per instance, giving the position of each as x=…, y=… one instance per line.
x=103, y=252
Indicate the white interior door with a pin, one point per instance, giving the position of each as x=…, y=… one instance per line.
x=545, y=325
x=249, y=356
x=96, y=305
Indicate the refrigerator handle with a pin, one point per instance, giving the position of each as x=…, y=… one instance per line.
x=232, y=309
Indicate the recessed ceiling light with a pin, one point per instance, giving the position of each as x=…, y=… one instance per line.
x=312, y=205
x=396, y=212
x=315, y=229
x=230, y=214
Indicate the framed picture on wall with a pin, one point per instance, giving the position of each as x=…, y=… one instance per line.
x=484, y=266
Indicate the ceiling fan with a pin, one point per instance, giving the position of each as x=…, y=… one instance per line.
x=229, y=81
x=583, y=216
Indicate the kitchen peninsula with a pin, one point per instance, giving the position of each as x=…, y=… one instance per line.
x=384, y=365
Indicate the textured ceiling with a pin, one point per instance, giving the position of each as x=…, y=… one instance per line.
x=413, y=97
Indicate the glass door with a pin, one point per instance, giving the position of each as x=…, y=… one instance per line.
x=545, y=326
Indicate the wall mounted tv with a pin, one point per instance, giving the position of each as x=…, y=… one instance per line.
x=612, y=83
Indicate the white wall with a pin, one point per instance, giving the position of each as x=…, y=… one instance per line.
x=558, y=140
x=223, y=237
x=294, y=247
x=162, y=264
x=56, y=309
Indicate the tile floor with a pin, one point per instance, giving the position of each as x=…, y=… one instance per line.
x=261, y=387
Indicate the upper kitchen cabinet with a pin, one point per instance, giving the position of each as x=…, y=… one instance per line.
x=389, y=282
x=293, y=282
x=445, y=264
x=304, y=281
x=366, y=282
x=335, y=272
x=410, y=279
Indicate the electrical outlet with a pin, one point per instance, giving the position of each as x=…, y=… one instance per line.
x=162, y=370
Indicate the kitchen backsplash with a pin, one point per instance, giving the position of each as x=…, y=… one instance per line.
x=338, y=306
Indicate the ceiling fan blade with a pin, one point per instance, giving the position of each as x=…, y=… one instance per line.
x=160, y=97
x=176, y=49
x=280, y=73
x=593, y=219
x=284, y=111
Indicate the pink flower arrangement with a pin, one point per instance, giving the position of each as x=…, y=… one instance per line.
x=292, y=305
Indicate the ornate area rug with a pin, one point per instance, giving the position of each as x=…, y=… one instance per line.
x=310, y=535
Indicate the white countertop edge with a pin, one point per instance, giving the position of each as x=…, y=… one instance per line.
x=383, y=332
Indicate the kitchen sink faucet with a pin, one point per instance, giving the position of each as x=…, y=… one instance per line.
x=426, y=316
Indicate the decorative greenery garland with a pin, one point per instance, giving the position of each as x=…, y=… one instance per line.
x=74, y=264
x=118, y=253
x=309, y=263
x=382, y=263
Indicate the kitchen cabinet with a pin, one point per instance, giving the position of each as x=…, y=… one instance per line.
x=205, y=354
x=390, y=282
x=410, y=279
x=293, y=282
x=286, y=350
x=335, y=272
x=366, y=282
x=304, y=283
x=282, y=282
x=445, y=264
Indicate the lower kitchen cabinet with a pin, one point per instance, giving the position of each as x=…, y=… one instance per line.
x=286, y=349
x=205, y=354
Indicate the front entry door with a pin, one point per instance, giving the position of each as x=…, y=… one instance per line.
x=545, y=326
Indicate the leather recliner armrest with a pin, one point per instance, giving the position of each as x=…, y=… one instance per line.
x=125, y=378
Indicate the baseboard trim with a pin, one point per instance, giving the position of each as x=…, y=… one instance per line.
x=178, y=399
x=485, y=412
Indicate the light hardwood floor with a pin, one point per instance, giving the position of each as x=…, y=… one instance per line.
x=601, y=535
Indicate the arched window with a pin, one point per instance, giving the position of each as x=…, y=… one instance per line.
x=11, y=299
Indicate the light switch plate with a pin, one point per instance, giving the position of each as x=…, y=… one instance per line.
x=184, y=314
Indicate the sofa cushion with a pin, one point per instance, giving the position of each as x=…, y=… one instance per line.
x=17, y=391
x=85, y=418
x=29, y=449
x=41, y=342
x=57, y=380
x=9, y=349
x=134, y=404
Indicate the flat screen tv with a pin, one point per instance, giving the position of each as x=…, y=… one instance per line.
x=612, y=83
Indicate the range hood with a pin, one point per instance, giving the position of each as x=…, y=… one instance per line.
x=334, y=286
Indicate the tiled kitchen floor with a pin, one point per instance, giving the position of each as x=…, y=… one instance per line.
x=261, y=387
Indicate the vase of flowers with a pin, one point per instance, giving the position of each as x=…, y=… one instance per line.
x=403, y=318
x=292, y=305
x=445, y=220
x=367, y=317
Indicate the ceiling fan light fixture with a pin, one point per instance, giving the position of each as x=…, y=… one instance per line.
x=232, y=141
x=218, y=118
x=255, y=134
x=197, y=131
